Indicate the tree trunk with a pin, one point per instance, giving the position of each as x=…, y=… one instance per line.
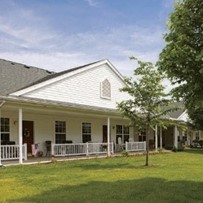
x=147, y=147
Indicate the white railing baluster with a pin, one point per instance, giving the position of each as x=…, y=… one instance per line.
x=25, y=151
x=135, y=146
x=112, y=148
x=87, y=152
x=11, y=152
x=80, y=149
x=126, y=146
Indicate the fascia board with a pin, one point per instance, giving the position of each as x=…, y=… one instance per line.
x=179, y=118
x=53, y=80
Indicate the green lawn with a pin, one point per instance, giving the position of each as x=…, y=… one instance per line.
x=172, y=177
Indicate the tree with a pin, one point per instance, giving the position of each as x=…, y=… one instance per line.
x=148, y=105
x=182, y=57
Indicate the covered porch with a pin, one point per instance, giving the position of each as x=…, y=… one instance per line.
x=173, y=136
x=43, y=129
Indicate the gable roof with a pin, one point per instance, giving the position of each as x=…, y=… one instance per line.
x=48, y=77
x=15, y=76
x=179, y=112
x=65, y=74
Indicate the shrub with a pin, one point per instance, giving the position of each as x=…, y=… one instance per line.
x=201, y=143
x=174, y=149
x=124, y=153
x=181, y=147
x=169, y=147
x=195, y=143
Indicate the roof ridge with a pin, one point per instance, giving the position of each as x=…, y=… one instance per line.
x=57, y=74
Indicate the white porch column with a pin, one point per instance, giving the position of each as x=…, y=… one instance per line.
x=175, y=137
x=108, y=137
x=160, y=133
x=188, y=138
x=199, y=133
x=20, y=133
x=156, y=138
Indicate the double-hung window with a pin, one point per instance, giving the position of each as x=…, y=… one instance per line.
x=142, y=136
x=86, y=132
x=60, y=132
x=5, y=130
x=122, y=133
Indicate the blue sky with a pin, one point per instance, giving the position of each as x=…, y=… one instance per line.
x=61, y=34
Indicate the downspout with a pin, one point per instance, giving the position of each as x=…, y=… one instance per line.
x=1, y=105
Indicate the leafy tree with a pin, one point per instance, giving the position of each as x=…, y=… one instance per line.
x=148, y=105
x=182, y=57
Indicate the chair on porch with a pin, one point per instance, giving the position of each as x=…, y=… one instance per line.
x=48, y=147
x=119, y=146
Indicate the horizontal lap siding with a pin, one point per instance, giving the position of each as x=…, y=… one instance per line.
x=44, y=127
x=84, y=88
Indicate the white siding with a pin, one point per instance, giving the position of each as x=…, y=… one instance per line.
x=184, y=117
x=44, y=127
x=84, y=88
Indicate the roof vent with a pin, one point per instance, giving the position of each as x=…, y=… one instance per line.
x=12, y=63
x=49, y=72
x=27, y=66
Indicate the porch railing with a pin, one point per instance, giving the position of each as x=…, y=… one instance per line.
x=80, y=149
x=135, y=146
x=11, y=152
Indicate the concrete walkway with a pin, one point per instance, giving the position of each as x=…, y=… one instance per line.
x=41, y=160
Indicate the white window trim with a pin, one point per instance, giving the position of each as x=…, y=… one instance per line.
x=122, y=134
x=82, y=129
x=59, y=133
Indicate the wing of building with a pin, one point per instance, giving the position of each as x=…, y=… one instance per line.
x=78, y=105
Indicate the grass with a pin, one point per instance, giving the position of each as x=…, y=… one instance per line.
x=172, y=177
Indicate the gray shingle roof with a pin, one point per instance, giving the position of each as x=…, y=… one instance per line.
x=176, y=114
x=15, y=76
x=60, y=73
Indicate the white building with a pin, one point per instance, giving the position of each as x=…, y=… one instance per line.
x=74, y=106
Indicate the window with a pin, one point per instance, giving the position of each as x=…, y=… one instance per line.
x=106, y=89
x=5, y=130
x=142, y=136
x=122, y=132
x=60, y=132
x=197, y=135
x=86, y=132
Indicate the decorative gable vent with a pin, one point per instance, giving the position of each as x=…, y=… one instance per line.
x=106, y=89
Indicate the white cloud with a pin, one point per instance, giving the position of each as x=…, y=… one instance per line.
x=115, y=44
x=35, y=42
x=93, y=3
x=24, y=26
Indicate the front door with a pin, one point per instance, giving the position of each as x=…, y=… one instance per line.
x=28, y=134
x=104, y=133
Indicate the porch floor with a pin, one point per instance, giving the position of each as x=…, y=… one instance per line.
x=41, y=160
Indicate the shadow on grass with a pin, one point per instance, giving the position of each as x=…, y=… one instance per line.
x=139, y=190
x=194, y=151
x=131, y=162
x=111, y=166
